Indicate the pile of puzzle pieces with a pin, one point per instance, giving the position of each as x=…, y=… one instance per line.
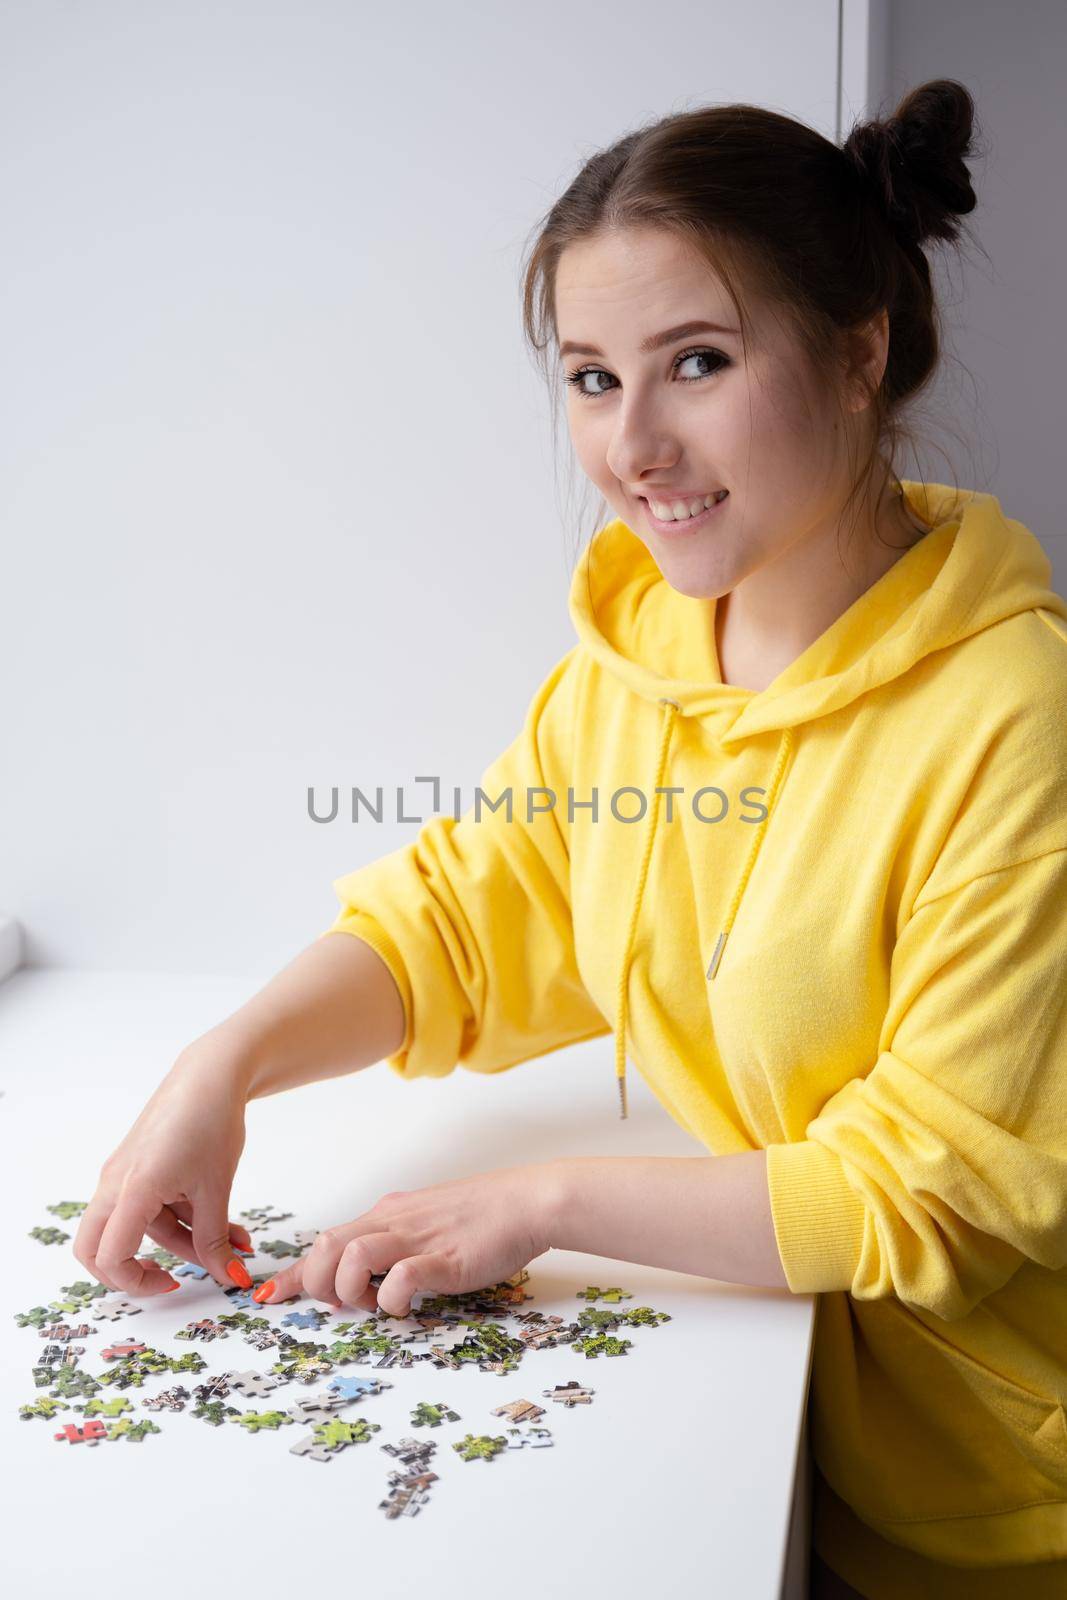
x=453, y=1331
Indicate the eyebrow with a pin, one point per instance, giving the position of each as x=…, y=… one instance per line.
x=655, y=341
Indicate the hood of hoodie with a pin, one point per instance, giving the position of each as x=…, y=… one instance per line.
x=974, y=568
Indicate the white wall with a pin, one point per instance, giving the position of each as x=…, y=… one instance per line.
x=278, y=500
x=277, y=489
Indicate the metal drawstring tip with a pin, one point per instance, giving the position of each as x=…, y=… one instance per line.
x=622, y=1096
x=713, y=965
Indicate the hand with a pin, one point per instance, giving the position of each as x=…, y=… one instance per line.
x=465, y=1234
x=170, y=1178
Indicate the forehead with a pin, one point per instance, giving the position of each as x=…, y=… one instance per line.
x=621, y=266
x=623, y=286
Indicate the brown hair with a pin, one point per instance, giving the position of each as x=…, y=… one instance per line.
x=826, y=234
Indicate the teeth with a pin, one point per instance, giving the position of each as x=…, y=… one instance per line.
x=680, y=510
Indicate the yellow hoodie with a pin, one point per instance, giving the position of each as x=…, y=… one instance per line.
x=828, y=919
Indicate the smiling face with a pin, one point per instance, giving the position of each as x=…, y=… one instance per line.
x=691, y=414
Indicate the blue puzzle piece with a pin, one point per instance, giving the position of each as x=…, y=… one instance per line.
x=351, y=1388
x=307, y=1319
x=242, y=1299
x=189, y=1269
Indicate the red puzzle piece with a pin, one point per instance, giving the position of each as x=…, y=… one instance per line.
x=92, y=1430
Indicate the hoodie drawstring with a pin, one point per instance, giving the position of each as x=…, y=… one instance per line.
x=669, y=716
x=784, y=749
x=777, y=772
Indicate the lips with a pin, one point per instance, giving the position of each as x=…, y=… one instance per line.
x=669, y=496
x=671, y=529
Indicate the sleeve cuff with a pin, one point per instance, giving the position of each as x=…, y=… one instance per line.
x=819, y=1219
x=363, y=926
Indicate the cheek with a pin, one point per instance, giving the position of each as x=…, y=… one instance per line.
x=789, y=436
x=590, y=447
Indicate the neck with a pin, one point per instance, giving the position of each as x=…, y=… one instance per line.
x=772, y=616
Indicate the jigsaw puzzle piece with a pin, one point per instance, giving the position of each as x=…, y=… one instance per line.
x=251, y=1384
x=90, y=1432
x=534, y=1437
x=113, y=1307
x=312, y=1448
x=353, y=1388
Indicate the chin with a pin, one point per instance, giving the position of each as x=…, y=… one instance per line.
x=696, y=590
x=692, y=578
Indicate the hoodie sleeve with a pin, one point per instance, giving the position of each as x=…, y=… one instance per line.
x=937, y=1174
x=473, y=918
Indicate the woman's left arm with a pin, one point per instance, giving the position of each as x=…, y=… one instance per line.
x=707, y=1215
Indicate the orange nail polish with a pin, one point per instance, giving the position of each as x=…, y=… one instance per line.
x=264, y=1291
x=239, y=1273
x=171, y=1287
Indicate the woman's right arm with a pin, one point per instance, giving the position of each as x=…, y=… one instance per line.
x=334, y=1009
x=474, y=922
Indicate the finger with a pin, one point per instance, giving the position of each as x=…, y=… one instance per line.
x=240, y=1237
x=173, y=1235
x=368, y=1301
x=407, y=1277
x=135, y=1211
x=314, y=1273
x=284, y=1284
x=317, y=1270
x=335, y=1251
x=363, y=1257
x=211, y=1236
x=87, y=1239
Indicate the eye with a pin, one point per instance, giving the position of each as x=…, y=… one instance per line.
x=577, y=378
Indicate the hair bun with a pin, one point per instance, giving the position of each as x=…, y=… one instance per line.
x=912, y=164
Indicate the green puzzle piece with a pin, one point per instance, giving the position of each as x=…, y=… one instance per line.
x=134, y=1432
x=105, y=1408
x=595, y=1344
x=278, y=1248
x=481, y=1448
x=37, y=1318
x=336, y=1434
x=214, y=1412
x=254, y=1420
x=70, y=1382
x=426, y=1415
x=44, y=1407
x=163, y=1258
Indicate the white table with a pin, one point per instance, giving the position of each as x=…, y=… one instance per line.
x=687, y=1474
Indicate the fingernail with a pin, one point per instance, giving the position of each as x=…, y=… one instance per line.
x=246, y=1249
x=170, y=1287
x=264, y=1291
x=239, y=1273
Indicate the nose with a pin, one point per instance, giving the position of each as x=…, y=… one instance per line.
x=641, y=445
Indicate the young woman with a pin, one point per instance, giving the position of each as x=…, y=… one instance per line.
x=789, y=814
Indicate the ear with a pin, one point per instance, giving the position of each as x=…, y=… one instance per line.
x=869, y=347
